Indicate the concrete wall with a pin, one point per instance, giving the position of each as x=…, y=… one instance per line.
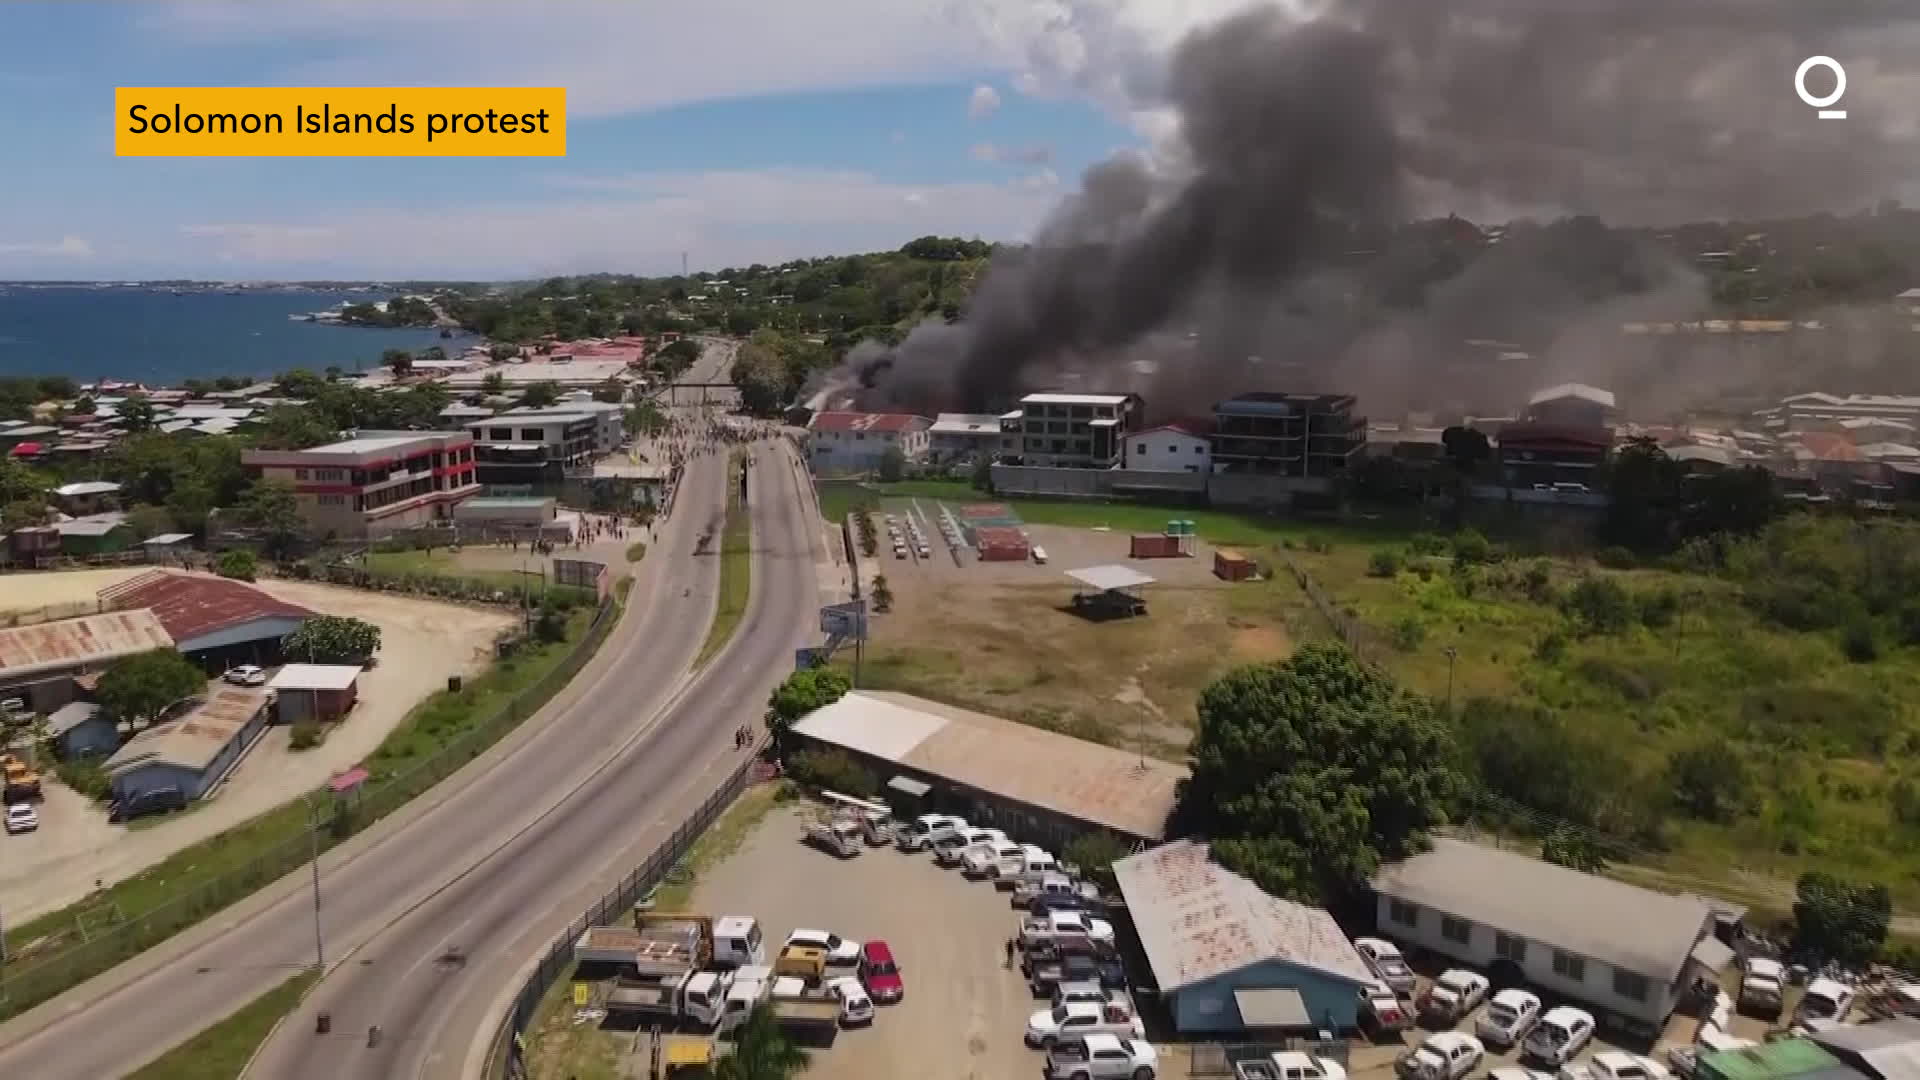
x=1262, y=489
x=1209, y=1006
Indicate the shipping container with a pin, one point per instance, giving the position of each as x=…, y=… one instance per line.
x=1154, y=546
x=1231, y=565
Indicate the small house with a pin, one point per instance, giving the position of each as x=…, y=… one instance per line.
x=95, y=534
x=315, y=692
x=193, y=753
x=80, y=729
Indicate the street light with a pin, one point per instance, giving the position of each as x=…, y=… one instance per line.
x=313, y=840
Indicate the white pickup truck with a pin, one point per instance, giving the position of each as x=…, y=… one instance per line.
x=926, y=830
x=1055, y=925
x=840, y=836
x=1763, y=987
x=1615, y=1065
x=990, y=860
x=951, y=850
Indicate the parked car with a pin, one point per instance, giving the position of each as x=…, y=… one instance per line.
x=1049, y=1026
x=855, y=1006
x=1615, y=1065
x=1064, y=924
x=1509, y=1016
x=1763, y=987
x=881, y=973
x=1101, y=1057
x=1444, y=1055
x=1387, y=964
x=1559, y=1036
x=22, y=817
x=923, y=831
x=951, y=849
x=1382, y=1014
x=1093, y=990
x=1289, y=1065
x=245, y=675
x=1048, y=883
x=840, y=836
x=1517, y=1072
x=156, y=801
x=1825, y=1000
x=1050, y=962
x=990, y=860
x=840, y=952
x=1453, y=995
x=1039, y=555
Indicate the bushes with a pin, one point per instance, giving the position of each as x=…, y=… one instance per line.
x=236, y=563
x=1616, y=558
x=834, y=771
x=304, y=736
x=1658, y=608
x=1860, y=641
x=1601, y=605
x=1471, y=548
x=85, y=776
x=1383, y=564
x=1408, y=633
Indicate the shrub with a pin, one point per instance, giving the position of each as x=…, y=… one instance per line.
x=1319, y=545
x=304, y=736
x=1658, y=608
x=550, y=627
x=1423, y=571
x=1469, y=547
x=237, y=563
x=1095, y=853
x=1538, y=581
x=1408, y=633
x=832, y=770
x=1426, y=544
x=1601, y=605
x=1860, y=641
x=1551, y=647
x=1904, y=800
x=85, y=776
x=1383, y=564
x=1615, y=558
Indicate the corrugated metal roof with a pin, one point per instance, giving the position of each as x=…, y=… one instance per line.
x=1889, y=1047
x=314, y=677
x=856, y=421
x=194, y=605
x=70, y=716
x=69, y=643
x=1643, y=931
x=1593, y=394
x=1198, y=920
x=192, y=741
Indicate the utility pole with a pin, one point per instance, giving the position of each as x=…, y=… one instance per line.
x=313, y=839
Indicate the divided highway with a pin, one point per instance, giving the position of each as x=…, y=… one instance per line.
x=492, y=859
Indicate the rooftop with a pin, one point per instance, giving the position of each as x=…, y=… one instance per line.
x=951, y=423
x=1573, y=390
x=1622, y=925
x=1111, y=576
x=91, y=525
x=859, y=421
x=364, y=444
x=1197, y=426
x=1074, y=399
x=87, y=487
x=1069, y=776
x=1775, y=1060
x=68, y=643
x=194, y=740
x=194, y=605
x=314, y=677
x=1198, y=920
x=70, y=716
x=1889, y=1047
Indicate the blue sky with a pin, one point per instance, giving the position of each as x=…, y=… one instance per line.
x=735, y=130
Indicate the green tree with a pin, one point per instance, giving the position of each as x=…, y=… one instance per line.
x=760, y=377
x=1095, y=853
x=137, y=688
x=893, y=465
x=983, y=475
x=299, y=383
x=272, y=507
x=19, y=481
x=399, y=360
x=1601, y=605
x=1466, y=448
x=645, y=418
x=541, y=395
x=612, y=392
x=1643, y=485
x=1574, y=848
x=494, y=382
x=293, y=427
x=834, y=771
x=1308, y=773
x=332, y=639
x=761, y=1051
x=136, y=414
x=1709, y=780
x=1529, y=755
x=801, y=693
x=1383, y=564
x=1838, y=921
x=237, y=563
x=882, y=593
x=501, y=352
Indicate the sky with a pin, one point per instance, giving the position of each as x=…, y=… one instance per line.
x=735, y=131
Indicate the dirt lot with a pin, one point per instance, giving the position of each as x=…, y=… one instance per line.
x=65, y=591
x=963, y=1013
x=1000, y=637
x=422, y=643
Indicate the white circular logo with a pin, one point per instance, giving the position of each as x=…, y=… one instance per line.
x=1822, y=103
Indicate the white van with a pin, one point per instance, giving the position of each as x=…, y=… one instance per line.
x=1826, y=1000
x=737, y=942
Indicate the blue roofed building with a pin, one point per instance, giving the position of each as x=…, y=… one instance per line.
x=1230, y=958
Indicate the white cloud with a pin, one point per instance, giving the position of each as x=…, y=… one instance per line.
x=1040, y=180
x=67, y=247
x=983, y=102
x=636, y=222
x=1030, y=154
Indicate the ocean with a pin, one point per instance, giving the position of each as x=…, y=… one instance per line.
x=159, y=338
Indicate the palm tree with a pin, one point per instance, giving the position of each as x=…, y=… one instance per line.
x=761, y=1051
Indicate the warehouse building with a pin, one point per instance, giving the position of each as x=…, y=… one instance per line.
x=1039, y=786
x=1230, y=958
x=193, y=753
x=1627, y=952
x=213, y=621
x=38, y=662
x=314, y=692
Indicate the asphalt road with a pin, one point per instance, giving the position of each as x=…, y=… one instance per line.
x=443, y=844
x=508, y=908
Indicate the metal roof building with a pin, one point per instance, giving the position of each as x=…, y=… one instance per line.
x=1883, y=1050
x=1228, y=956
x=1041, y=786
x=211, y=619
x=76, y=644
x=194, y=752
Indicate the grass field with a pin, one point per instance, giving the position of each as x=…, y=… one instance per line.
x=736, y=570
x=441, y=561
x=223, y=1050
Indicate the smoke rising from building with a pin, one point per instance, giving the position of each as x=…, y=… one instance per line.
x=1241, y=261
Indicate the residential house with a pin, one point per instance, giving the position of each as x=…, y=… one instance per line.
x=194, y=752
x=858, y=442
x=969, y=437
x=1177, y=446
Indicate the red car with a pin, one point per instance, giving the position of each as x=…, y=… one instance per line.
x=880, y=973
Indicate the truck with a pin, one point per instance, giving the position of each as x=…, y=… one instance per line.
x=1763, y=987
x=809, y=1015
x=752, y=984
x=837, y=836
x=1057, y=925
x=697, y=996
x=671, y=1056
x=875, y=820
x=1035, y=863
x=1051, y=883
x=927, y=829
x=22, y=782
x=737, y=942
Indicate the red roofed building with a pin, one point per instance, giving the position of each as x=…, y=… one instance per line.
x=856, y=441
x=1178, y=446
x=213, y=621
x=1532, y=454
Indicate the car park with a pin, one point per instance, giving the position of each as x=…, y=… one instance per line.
x=1388, y=965
x=1559, y=1036
x=1049, y=1026
x=1508, y=1017
x=840, y=952
x=881, y=973
x=1101, y=1057
x=1444, y=1055
x=245, y=675
x=1070, y=961
x=856, y=1007
x=1456, y=993
x=22, y=817
x=1763, y=987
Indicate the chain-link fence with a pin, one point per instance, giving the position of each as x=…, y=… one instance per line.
x=1361, y=638
x=67, y=958
x=507, y=1061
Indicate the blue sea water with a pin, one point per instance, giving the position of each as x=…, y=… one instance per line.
x=159, y=338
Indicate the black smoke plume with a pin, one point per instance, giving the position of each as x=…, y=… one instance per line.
x=1244, y=263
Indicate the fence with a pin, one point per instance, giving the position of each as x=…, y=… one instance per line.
x=35, y=973
x=1218, y=1059
x=440, y=586
x=1358, y=636
x=506, y=1060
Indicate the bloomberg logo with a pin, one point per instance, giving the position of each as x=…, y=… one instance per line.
x=1823, y=104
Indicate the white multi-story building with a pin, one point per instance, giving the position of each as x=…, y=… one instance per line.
x=375, y=482
x=975, y=436
x=1181, y=446
x=856, y=442
x=1085, y=430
